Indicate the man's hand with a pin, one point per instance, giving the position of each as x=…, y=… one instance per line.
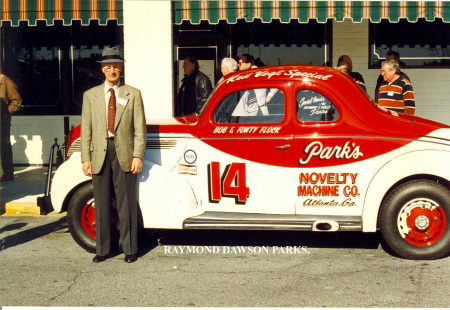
x=87, y=168
x=136, y=165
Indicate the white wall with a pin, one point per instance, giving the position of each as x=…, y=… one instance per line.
x=432, y=93
x=148, y=53
x=33, y=136
x=431, y=86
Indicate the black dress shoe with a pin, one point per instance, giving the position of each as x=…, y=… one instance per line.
x=99, y=258
x=6, y=177
x=130, y=258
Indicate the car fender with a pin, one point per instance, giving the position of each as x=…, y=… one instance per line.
x=165, y=198
x=398, y=169
x=68, y=176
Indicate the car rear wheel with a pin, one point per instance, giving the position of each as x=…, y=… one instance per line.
x=414, y=220
x=81, y=218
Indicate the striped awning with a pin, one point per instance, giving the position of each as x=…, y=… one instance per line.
x=65, y=10
x=303, y=11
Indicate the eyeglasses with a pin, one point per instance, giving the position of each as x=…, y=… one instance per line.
x=112, y=67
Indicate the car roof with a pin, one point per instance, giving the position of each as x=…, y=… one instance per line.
x=286, y=72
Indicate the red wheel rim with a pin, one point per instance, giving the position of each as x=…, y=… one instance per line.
x=422, y=222
x=88, y=218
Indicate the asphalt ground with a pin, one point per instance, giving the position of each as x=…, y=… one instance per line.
x=18, y=197
x=41, y=265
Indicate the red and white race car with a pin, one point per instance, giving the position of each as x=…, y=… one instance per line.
x=290, y=148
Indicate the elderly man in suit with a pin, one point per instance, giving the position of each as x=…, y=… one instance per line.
x=113, y=136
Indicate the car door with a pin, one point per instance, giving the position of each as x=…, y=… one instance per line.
x=331, y=152
x=246, y=150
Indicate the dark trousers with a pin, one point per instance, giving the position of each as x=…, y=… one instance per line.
x=113, y=178
x=6, y=156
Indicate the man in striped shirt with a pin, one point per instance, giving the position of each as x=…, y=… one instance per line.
x=389, y=55
x=396, y=92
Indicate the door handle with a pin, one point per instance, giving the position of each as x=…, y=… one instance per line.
x=283, y=147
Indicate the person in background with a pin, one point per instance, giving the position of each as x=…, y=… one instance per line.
x=246, y=61
x=389, y=55
x=227, y=66
x=259, y=95
x=113, y=137
x=10, y=103
x=195, y=88
x=396, y=92
x=356, y=76
x=343, y=68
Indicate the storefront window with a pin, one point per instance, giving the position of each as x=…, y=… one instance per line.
x=421, y=45
x=85, y=50
x=53, y=65
x=285, y=55
x=283, y=44
x=32, y=59
x=86, y=70
x=39, y=76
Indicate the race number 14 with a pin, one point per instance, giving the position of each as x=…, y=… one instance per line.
x=232, y=183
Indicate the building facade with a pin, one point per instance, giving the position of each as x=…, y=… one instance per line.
x=50, y=47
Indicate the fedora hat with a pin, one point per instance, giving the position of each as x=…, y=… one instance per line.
x=111, y=54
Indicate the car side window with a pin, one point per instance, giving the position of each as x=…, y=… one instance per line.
x=251, y=106
x=312, y=106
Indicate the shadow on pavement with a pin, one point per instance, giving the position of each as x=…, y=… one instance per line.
x=13, y=226
x=30, y=234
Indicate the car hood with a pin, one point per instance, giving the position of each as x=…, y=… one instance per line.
x=170, y=125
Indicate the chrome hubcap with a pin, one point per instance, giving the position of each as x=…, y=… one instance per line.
x=422, y=222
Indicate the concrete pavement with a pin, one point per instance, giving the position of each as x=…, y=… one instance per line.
x=18, y=197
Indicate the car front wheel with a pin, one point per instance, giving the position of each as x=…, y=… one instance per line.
x=414, y=220
x=81, y=218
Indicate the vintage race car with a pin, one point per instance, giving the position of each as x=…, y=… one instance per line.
x=285, y=148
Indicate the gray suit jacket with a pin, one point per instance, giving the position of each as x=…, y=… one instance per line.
x=130, y=127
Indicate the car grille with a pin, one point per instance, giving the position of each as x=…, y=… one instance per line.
x=74, y=147
x=160, y=144
x=151, y=144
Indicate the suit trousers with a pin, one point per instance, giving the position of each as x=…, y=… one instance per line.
x=113, y=178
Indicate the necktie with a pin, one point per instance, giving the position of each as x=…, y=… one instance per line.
x=111, y=111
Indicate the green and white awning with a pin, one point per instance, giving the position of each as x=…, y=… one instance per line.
x=65, y=10
x=303, y=11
